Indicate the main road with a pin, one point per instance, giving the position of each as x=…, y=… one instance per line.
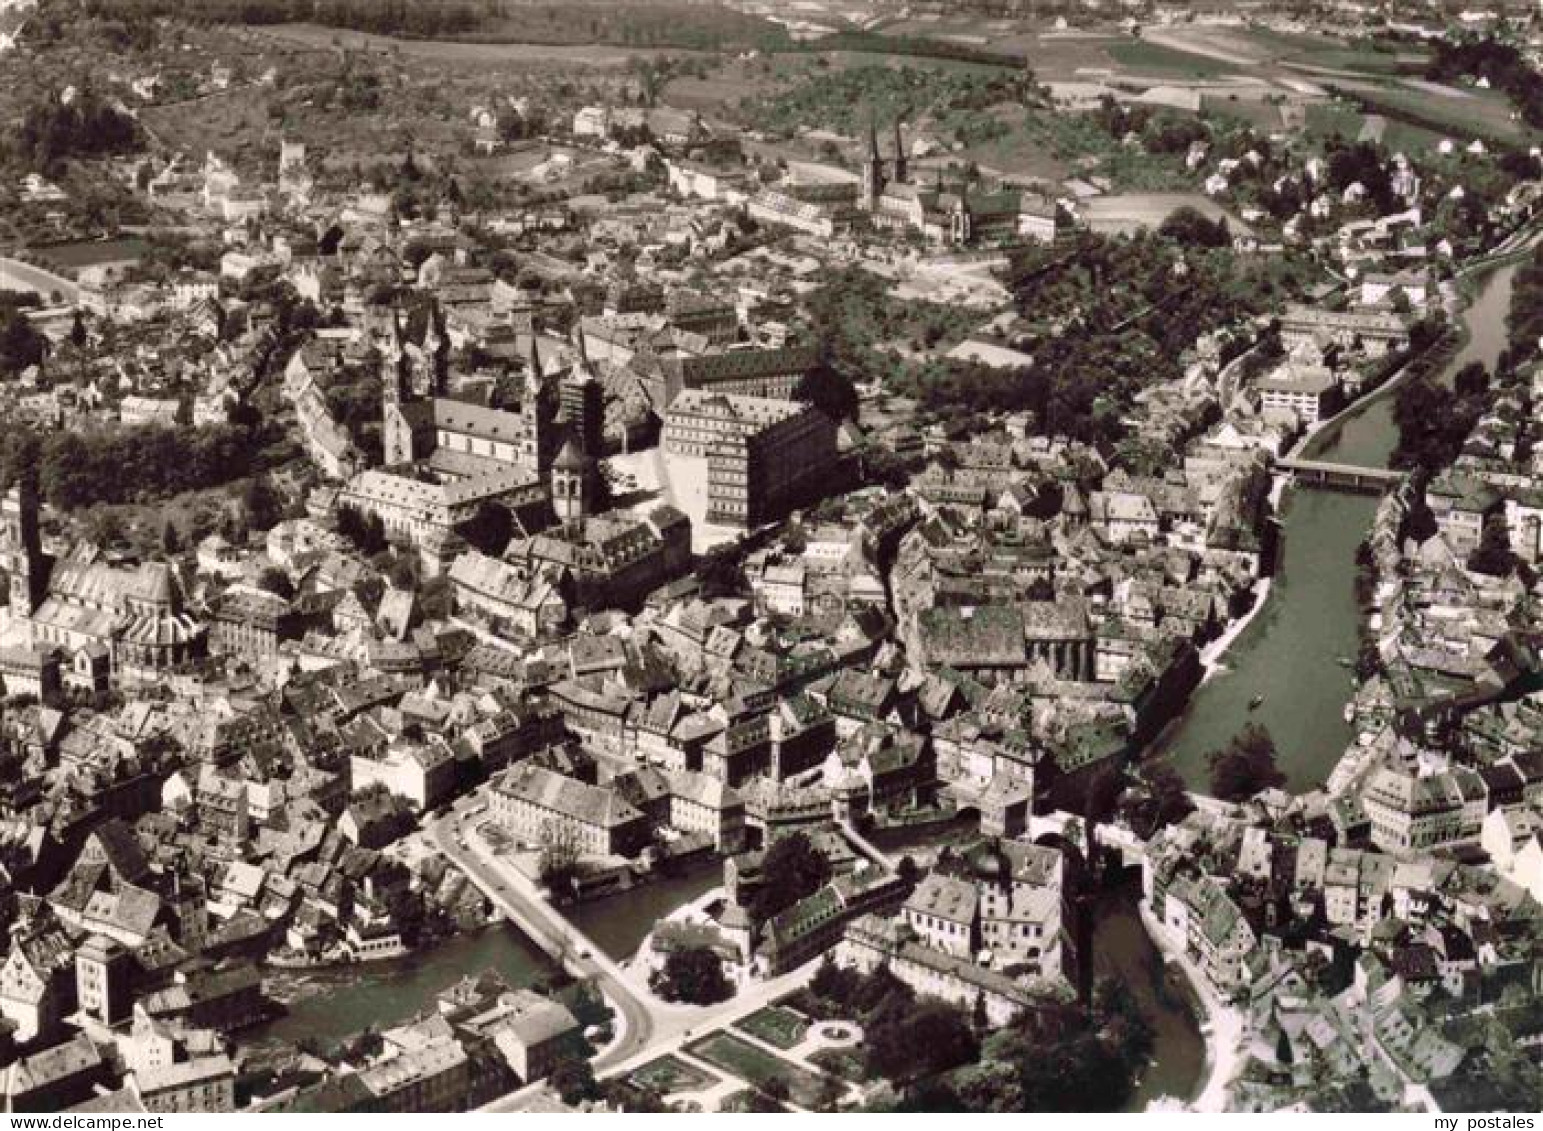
x=18, y=276
x=527, y=909
x=649, y=1026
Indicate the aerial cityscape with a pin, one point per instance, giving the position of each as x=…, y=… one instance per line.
x=771, y=556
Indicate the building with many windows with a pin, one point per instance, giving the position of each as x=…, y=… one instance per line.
x=543, y=807
x=1411, y=811
x=761, y=456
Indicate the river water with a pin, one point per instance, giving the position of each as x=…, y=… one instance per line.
x=338, y=1002
x=1289, y=653
x=619, y=923
x=1124, y=952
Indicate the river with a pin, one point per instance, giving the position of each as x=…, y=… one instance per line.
x=341, y=1001
x=619, y=923
x=1289, y=653
x=1124, y=952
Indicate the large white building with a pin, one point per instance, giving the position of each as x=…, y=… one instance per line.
x=1414, y=812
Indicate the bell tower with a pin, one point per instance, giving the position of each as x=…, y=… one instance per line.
x=396, y=364
x=573, y=480
x=24, y=560
x=539, y=407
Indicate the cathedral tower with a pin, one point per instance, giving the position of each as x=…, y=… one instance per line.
x=396, y=364
x=873, y=170
x=539, y=407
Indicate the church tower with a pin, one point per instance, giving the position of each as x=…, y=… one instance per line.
x=23, y=556
x=436, y=350
x=396, y=364
x=873, y=170
x=539, y=408
x=900, y=168
x=573, y=482
x=396, y=396
x=583, y=404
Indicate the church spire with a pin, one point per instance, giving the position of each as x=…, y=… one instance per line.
x=436, y=345
x=535, y=378
x=397, y=364
x=900, y=161
x=873, y=168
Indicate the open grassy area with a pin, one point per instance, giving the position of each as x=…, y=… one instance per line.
x=1481, y=114
x=1164, y=62
x=85, y=253
x=1325, y=120
x=776, y=1025
x=756, y=1066
x=1254, y=112
x=846, y=1063
x=669, y=1074
x=1320, y=51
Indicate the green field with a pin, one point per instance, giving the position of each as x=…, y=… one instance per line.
x=1482, y=114
x=1326, y=119
x=756, y=1066
x=848, y=1063
x=1251, y=111
x=1318, y=51
x=85, y=253
x=670, y=1074
x=776, y=1025
x=1157, y=61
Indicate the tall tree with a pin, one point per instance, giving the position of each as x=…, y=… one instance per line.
x=1245, y=765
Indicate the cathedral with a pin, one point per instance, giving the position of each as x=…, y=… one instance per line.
x=951, y=214
x=445, y=458
x=420, y=421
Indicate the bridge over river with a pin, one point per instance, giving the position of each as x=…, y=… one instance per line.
x=1359, y=479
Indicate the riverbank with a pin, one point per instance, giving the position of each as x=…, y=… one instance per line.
x=1310, y=616
x=1212, y=653
x=1222, y=1028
